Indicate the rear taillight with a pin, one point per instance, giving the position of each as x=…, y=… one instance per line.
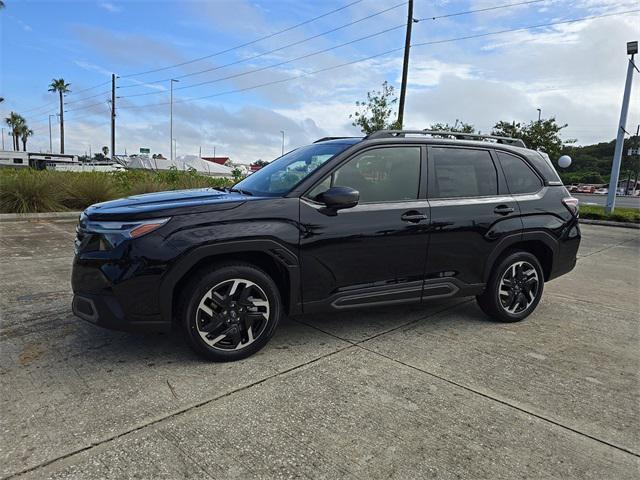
x=572, y=205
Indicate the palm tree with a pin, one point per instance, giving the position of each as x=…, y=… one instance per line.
x=58, y=85
x=25, y=133
x=15, y=121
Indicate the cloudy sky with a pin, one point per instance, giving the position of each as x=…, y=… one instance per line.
x=218, y=51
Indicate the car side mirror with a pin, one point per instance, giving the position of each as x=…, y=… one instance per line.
x=337, y=198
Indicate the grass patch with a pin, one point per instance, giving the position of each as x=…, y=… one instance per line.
x=30, y=191
x=89, y=188
x=620, y=214
x=33, y=191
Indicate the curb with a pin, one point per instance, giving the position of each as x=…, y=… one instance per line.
x=610, y=223
x=31, y=217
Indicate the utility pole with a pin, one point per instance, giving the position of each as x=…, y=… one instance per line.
x=405, y=65
x=632, y=49
x=282, y=132
x=171, y=117
x=113, y=115
x=2, y=138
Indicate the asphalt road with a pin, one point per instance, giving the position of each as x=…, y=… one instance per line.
x=433, y=391
x=627, y=202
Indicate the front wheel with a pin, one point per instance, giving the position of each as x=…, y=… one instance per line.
x=514, y=288
x=231, y=312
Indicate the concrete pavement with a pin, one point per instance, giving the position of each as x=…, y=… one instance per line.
x=432, y=391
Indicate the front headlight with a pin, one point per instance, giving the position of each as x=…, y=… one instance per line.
x=114, y=233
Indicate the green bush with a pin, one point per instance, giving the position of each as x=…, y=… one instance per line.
x=87, y=188
x=596, y=212
x=148, y=185
x=30, y=191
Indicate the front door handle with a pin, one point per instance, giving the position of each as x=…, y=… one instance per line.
x=413, y=216
x=503, y=209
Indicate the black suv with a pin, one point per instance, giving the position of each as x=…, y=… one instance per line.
x=395, y=217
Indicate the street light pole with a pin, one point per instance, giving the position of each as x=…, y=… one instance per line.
x=539, y=113
x=171, y=118
x=632, y=49
x=282, y=132
x=50, y=142
x=113, y=115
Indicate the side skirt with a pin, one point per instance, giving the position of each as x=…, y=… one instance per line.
x=406, y=293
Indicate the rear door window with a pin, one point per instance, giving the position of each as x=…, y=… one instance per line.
x=520, y=177
x=463, y=172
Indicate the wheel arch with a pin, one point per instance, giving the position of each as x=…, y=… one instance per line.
x=277, y=261
x=540, y=244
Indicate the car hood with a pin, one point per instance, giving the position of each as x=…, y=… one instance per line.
x=162, y=204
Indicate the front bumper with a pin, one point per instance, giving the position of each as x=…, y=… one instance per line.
x=105, y=311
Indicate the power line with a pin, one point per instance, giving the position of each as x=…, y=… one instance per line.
x=241, y=74
x=520, y=29
x=486, y=9
x=84, y=107
x=94, y=87
x=243, y=44
x=434, y=42
x=299, y=42
x=467, y=12
x=53, y=104
x=106, y=92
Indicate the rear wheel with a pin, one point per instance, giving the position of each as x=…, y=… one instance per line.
x=514, y=288
x=231, y=312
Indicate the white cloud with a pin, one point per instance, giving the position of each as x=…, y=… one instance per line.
x=574, y=72
x=110, y=7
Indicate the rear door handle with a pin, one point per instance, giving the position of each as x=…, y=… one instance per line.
x=503, y=209
x=413, y=216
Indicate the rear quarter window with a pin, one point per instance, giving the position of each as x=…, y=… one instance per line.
x=520, y=177
x=542, y=163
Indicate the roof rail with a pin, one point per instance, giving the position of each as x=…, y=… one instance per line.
x=324, y=139
x=515, y=142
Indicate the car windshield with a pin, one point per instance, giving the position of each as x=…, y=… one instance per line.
x=281, y=175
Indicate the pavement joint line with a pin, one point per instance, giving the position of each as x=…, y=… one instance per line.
x=503, y=402
x=569, y=297
x=607, y=248
x=174, y=414
x=360, y=345
x=186, y=454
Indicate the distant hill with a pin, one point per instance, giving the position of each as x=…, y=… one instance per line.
x=592, y=163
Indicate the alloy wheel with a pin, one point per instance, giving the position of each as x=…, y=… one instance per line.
x=232, y=314
x=518, y=287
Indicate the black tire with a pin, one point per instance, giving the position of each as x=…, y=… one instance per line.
x=492, y=301
x=197, y=323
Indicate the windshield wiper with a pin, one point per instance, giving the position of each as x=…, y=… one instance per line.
x=239, y=190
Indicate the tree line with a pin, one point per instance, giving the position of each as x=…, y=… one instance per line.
x=591, y=163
